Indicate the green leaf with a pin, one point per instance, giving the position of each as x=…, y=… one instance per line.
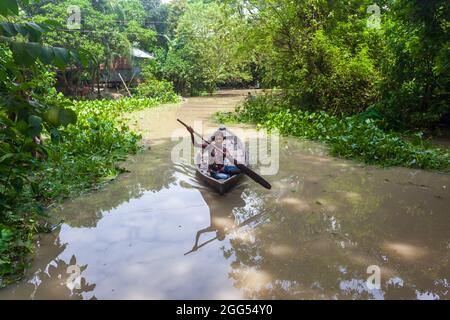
x=33, y=131
x=6, y=234
x=20, y=54
x=22, y=126
x=34, y=31
x=34, y=126
x=9, y=7
x=84, y=57
x=67, y=116
x=33, y=49
x=74, y=56
x=34, y=121
x=6, y=156
x=52, y=115
x=49, y=24
x=7, y=29
x=37, y=105
x=21, y=29
x=61, y=57
x=55, y=135
x=46, y=55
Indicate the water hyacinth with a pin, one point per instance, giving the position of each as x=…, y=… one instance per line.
x=351, y=137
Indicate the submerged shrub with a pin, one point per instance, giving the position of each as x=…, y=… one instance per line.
x=161, y=90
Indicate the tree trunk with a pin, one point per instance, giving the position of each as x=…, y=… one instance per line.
x=98, y=82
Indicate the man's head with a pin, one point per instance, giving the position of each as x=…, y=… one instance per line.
x=220, y=235
x=219, y=137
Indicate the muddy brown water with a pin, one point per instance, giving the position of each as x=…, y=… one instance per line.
x=312, y=236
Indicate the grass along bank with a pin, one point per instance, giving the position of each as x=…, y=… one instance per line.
x=362, y=137
x=85, y=156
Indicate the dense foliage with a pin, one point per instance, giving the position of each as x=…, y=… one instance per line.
x=320, y=52
x=162, y=90
x=336, y=56
x=206, y=50
x=105, y=29
x=363, y=137
x=344, y=56
x=415, y=88
x=23, y=117
x=50, y=147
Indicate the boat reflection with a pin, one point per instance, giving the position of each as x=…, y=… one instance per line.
x=222, y=219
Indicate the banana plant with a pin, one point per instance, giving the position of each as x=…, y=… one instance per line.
x=22, y=116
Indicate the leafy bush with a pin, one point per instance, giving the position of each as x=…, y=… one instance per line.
x=414, y=90
x=74, y=165
x=206, y=50
x=24, y=76
x=161, y=90
x=332, y=77
x=354, y=137
x=255, y=109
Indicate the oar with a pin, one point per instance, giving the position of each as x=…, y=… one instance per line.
x=202, y=245
x=256, y=216
x=249, y=172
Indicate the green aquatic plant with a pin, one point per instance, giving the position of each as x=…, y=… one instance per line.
x=161, y=90
x=362, y=137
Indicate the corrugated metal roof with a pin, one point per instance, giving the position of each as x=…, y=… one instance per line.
x=138, y=53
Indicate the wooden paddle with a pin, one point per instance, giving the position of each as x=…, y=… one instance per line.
x=246, y=222
x=249, y=172
x=202, y=245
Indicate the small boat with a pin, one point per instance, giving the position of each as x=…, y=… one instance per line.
x=237, y=149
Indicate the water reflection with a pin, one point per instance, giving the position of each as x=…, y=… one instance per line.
x=50, y=276
x=230, y=216
x=320, y=244
x=221, y=219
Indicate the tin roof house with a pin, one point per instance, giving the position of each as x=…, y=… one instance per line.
x=127, y=68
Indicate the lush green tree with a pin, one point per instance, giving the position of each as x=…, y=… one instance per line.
x=24, y=62
x=107, y=29
x=417, y=75
x=176, y=9
x=157, y=18
x=327, y=55
x=320, y=52
x=206, y=50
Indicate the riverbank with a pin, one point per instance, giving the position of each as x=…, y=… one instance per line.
x=87, y=157
x=363, y=137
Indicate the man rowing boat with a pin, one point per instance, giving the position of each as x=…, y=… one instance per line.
x=241, y=163
x=217, y=166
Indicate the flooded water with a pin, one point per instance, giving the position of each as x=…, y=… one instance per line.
x=313, y=236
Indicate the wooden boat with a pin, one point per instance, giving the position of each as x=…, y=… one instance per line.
x=237, y=149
